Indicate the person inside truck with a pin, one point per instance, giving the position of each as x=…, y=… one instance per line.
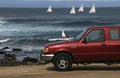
x=96, y=36
x=101, y=36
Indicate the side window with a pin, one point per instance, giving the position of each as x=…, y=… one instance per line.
x=114, y=34
x=96, y=36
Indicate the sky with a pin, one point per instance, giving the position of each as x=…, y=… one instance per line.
x=58, y=3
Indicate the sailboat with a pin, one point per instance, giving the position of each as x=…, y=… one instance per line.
x=92, y=10
x=81, y=9
x=49, y=9
x=72, y=11
x=64, y=37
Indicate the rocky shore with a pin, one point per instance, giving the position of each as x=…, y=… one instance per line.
x=9, y=59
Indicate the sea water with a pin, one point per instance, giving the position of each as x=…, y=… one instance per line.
x=31, y=28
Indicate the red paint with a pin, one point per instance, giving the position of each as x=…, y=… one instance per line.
x=108, y=50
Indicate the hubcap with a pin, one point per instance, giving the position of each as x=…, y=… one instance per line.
x=62, y=62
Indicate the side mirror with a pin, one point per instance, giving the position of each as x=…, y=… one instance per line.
x=84, y=40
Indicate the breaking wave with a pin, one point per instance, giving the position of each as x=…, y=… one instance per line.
x=5, y=40
x=39, y=22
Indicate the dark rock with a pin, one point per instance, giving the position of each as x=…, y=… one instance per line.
x=5, y=48
x=17, y=49
x=9, y=56
x=28, y=59
x=2, y=52
x=9, y=60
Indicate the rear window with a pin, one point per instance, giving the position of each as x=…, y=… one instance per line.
x=114, y=34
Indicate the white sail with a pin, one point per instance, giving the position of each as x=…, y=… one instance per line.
x=63, y=34
x=81, y=9
x=92, y=10
x=72, y=11
x=49, y=9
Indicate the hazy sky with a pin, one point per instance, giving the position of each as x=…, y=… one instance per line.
x=58, y=3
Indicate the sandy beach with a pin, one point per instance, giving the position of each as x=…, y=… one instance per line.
x=47, y=71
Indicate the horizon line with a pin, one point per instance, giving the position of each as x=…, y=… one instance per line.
x=66, y=7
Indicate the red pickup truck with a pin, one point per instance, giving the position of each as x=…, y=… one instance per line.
x=93, y=45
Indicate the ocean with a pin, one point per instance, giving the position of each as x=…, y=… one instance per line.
x=30, y=28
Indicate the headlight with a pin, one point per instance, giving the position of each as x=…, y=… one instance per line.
x=45, y=50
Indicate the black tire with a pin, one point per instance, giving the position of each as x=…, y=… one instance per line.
x=62, y=62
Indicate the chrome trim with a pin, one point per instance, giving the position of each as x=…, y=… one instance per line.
x=47, y=57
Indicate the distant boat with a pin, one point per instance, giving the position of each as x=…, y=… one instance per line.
x=64, y=37
x=81, y=9
x=49, y=9
x=72, y=11
x=92, y=10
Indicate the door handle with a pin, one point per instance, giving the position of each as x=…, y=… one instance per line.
x=103, y=45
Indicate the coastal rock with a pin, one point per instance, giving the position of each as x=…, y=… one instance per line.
x=28, y=59
x=16, y=49
x=9, y=60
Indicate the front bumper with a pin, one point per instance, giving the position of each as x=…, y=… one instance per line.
x=47, y=57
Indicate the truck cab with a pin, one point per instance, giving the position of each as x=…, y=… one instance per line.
x=93, y=45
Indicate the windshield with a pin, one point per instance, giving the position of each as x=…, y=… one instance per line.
x=80, y=35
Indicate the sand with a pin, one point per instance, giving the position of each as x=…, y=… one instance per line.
x=48, y=71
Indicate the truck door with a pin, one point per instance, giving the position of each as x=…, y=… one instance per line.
x=94, y=48
x=114, y=43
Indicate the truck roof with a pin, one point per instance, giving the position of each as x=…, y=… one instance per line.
x=104, y=27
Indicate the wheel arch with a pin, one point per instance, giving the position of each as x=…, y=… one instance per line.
x=66, y=52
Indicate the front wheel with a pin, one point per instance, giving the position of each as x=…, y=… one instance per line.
x=62, y=62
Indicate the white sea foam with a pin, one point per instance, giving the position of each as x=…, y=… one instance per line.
x=29, y=48
x=4, y=40
x=2, y=21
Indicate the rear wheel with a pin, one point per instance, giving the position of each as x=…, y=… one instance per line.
x=62, y=62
